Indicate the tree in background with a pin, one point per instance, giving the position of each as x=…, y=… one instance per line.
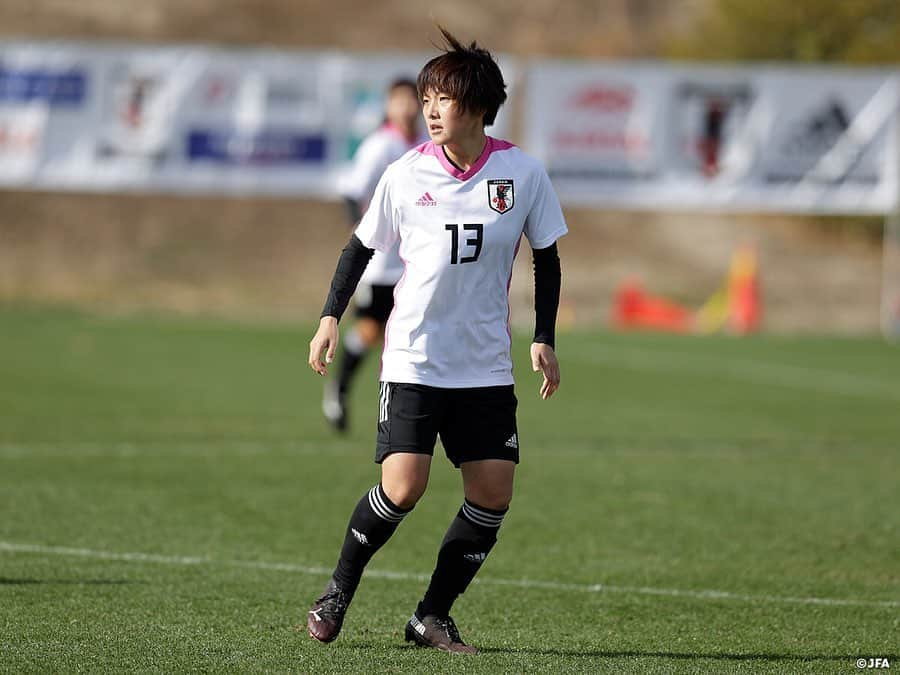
x=848, y=31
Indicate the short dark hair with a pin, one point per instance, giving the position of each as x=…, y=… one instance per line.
x=469, y=75
x=402, y=83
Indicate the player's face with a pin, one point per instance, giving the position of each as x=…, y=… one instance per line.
x=445, y=122
x=402, y=107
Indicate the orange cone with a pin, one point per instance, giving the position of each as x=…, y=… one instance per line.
x=744, y=292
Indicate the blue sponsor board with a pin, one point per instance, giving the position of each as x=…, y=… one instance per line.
x=56, y=87
x=268, y=148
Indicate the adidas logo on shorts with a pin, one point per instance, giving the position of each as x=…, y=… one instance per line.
x=360, y=537
x=513, y=442
x=475, y=557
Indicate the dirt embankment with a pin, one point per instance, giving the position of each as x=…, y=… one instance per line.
x=584, y=28
x=263, y=257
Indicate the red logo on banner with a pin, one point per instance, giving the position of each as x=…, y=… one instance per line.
x=604, y=99
x=18, y=138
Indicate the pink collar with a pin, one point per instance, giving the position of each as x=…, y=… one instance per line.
x=492, y=145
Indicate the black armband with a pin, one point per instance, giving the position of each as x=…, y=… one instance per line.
x=354, y=211
x=350, y=268
x=547, y=283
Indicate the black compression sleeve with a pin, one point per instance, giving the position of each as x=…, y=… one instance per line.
x=350, y=268
x=354, y=212
x=547, y=283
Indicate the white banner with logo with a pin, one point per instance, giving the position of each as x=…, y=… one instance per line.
x=194, y=119
x=650, y=136
x=764, y=139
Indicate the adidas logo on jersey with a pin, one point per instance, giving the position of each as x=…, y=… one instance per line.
x=426, y=200
x=475, y=557
x=513, y=442
x=360, y=537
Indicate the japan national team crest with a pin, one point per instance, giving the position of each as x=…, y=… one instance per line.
x=500, y=195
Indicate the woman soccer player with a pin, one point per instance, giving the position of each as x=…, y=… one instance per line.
x=375, y=294
x=458, y=205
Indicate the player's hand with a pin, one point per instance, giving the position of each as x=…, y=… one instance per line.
x=325, y=340
x=543, y=359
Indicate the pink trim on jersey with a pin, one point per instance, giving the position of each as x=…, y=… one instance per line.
x=508, y=284
x=396, y=131
x=492, y=145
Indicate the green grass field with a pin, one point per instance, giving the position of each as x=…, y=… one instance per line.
x=171, y=500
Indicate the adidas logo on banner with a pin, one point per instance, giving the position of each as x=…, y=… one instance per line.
x=513, y=442
x=360, y=537
x=426, y=200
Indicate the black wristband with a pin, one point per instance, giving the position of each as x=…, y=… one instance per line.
x=547, y=284
x=350, y=268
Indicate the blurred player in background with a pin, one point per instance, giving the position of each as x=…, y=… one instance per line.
x=375, y=293
x=458, y=206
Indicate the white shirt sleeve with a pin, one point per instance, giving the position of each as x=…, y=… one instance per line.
x=369, y=163
x=545, y=222
x=378, y=228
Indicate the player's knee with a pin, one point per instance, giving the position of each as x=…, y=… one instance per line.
x=405, y=494
x=496, y=500
x=500, y=503
x=368, y=331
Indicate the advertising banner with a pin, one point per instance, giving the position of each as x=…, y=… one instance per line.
x=755, y=139
x=190, y=119
x=82, y=116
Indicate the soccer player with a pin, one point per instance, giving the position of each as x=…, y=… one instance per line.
x=459, y=206
x=375, y=294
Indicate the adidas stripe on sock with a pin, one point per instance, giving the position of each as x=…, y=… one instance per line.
x=371, y=525
x=466, y=546
x=482, y=516
x=383, y=507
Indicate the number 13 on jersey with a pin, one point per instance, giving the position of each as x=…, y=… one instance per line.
x=458, y=239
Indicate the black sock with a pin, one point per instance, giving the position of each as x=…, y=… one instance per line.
x=471, y=537
x=352, y=355
x=371, y=525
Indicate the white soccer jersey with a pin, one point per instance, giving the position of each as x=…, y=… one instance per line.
x=459, y=233
x=373, y=156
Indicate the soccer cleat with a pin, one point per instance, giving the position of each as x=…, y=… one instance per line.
x=438, y=633
x=326, y=617
x=334, y=407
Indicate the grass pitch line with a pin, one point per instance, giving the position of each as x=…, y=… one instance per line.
x=702, y=594
x=754, y=372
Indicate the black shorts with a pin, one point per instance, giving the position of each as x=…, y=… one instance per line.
x=374, y=301
x=475, y=423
